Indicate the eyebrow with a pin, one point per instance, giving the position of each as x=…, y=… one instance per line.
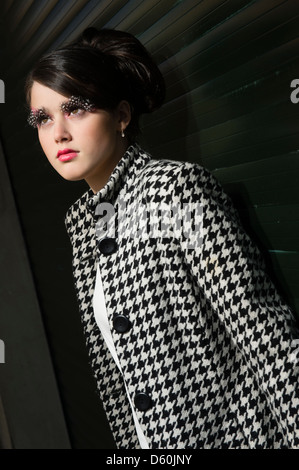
x=78, y=101
x=44, y=110
x=36, y=110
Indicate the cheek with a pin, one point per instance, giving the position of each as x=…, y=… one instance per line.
x=45, y=145
x=99, y=130
x=42, y=141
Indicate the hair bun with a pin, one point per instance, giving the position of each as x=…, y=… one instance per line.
x=144, y=80
x=89, y=37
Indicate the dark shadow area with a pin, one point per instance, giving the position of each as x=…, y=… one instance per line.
x=164, y=133
x=252, y=226
x=42, y=199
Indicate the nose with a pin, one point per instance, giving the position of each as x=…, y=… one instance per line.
x=61, y=130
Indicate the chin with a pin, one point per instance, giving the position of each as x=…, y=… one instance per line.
x=74, y=177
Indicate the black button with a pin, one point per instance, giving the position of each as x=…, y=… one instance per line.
x=142, y=401
x=107, y=246
x=121, y=323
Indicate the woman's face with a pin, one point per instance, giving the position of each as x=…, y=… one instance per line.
x=79, y=144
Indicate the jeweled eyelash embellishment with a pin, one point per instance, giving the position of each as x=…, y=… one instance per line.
x=36, y=116
x=77, y=102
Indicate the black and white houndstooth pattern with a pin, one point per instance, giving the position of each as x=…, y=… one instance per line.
x=210, y=340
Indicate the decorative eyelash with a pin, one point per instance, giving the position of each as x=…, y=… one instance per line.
x=37, y=115
x=77, y=102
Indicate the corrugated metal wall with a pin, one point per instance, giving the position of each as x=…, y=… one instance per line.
x=228, y=67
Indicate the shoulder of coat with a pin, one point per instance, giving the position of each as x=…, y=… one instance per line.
x=177, y=169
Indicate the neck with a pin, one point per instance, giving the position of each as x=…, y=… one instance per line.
x=102, y=173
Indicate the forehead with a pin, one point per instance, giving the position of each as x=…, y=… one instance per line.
x=44, y=97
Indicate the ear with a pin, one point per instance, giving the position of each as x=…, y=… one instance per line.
x=124, y=115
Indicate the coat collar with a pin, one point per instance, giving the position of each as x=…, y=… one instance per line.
x=133, y=160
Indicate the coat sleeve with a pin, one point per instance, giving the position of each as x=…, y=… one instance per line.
x=231, y=273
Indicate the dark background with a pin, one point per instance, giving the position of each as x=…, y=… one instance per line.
x=228, y=66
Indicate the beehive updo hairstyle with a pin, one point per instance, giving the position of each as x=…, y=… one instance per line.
x=106, y=66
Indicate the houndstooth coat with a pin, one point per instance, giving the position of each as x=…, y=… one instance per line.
x=207, y=348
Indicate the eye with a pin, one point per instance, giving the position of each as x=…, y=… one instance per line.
x=70, y=111
x=76, y=105
x=76, y=111
x=38, y=118
x=43, y=121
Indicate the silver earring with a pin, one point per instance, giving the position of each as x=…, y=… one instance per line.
x=122, y=133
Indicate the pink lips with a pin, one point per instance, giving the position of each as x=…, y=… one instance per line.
x=66, y=155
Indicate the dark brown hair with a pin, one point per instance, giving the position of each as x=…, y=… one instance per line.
x=106, y=66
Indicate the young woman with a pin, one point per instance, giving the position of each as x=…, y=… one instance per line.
x=189, y=342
